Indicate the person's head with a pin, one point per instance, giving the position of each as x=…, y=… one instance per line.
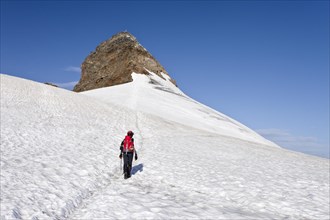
x=130, y=133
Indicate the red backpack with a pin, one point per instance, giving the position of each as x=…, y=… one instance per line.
x=128, y=144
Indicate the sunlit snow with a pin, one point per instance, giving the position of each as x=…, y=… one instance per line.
x=59, y=158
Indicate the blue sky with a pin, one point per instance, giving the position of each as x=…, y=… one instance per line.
x=264, y=63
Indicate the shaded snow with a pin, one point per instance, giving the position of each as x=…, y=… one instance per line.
x=59, y=159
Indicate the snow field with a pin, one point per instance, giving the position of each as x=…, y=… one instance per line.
x=57, y=148
x=155, y=96
x=189, y=174
x=59, y=160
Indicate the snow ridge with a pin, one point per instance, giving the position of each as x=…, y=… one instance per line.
x=148, y=93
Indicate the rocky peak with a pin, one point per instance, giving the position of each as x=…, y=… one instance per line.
x=113, y=62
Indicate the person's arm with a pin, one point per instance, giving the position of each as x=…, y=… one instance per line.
x=121, y=149
x=136, y=156
x=121, y=146
x=135, y=152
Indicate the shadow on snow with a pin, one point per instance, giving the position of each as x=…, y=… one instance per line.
x=137, y=168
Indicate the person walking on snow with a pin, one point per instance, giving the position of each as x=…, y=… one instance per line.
x=127, y=151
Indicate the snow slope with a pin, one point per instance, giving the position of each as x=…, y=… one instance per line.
x=59, y=159
x=154, y=95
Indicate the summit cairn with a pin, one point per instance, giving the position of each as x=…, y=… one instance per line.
x=113, y=62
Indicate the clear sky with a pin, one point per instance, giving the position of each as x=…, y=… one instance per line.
x=264, y=63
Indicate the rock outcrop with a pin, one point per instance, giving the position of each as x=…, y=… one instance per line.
x=114, y=61
x=51, y=84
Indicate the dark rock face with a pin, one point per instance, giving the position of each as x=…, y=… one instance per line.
x=51, y=84
x=113, y=62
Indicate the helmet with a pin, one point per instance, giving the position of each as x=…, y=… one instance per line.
x=130, y=133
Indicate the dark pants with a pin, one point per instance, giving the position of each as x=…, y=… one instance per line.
x=128, y=158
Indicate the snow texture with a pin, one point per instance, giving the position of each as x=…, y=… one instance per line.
x=59, y=158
